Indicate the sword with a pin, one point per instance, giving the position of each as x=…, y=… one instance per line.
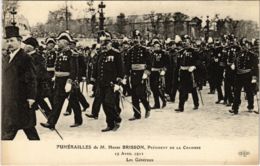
x=124, y=97
x=41, y=110
x=194, y=86
x=257, y=100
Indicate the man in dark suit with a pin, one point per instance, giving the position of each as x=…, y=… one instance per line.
x=18, y=89
x=43, y=88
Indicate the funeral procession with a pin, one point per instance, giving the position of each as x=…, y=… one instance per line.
x=93, y=69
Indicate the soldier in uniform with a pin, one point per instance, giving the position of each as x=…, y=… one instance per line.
x=94, y=54
x=18, y=89
x=246, y=72
x=50, y=56
x=159, y=65
x=43, y=89
x=173, y=53
x=210, y=65
x=219, y=62
x=138, y=68
x=231, y=50
x=125, y=48
x=187, y=64
x=107, y=75
x=65, y=79
x=81, y=77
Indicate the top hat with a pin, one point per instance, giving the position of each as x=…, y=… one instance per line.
x=12, y=31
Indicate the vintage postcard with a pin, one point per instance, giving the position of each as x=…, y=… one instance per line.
x=130, y=82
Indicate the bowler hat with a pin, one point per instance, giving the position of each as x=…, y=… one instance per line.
x=31, y=41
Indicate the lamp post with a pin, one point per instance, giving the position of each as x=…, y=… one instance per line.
x=101, y=6
x=207, y=29
x=13, y=13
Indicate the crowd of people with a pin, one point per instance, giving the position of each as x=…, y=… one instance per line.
x=42, y=77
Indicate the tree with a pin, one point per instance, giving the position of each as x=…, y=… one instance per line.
x=179, y=20
x=121, y=23
x=180, y=17
x=155, y=20
x=166, y=24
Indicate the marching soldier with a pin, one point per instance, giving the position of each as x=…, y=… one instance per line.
x=65, y=79
x=43, y=89
x=157, y=77
x=18, y=89
x=246, y=72
x=94, y=55
x=50, y=56
x=107, y=75
x=231, y=50
x=210, y=65
x=81, y=77
x=125, y=48
x=219, y=62
x=187, y=64
x=138, y=67
x=172, y=69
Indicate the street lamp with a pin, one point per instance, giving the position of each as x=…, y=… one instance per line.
x=207, y=29
x=101, y=6
x=13, y=13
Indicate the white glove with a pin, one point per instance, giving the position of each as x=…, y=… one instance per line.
x=192, y=68
x=116, y=87
x=162, y=73
x=124, y=81
x=145, y=76
x=68, y=87
x=84, y=78
x=253, y=80
x=30, y=102
x=90, y=89
x=53, y=79
x=216, y=59
x=232, y=67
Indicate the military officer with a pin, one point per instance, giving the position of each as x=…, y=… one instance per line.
x=81, y=77
x=138, y=68
x=159, y=65
x=231, y=51
x=246, y=72
x=219, y=62
x=125, y=48
x=107, y=75
x=187, y=64
x=210, y=65
x=65, y=78
x=50, y=56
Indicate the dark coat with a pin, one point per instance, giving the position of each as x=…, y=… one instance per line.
x=18, y=85
x=42, y=76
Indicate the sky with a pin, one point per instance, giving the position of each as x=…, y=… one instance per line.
x=37, y=11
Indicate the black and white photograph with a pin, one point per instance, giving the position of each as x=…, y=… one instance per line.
x=97, y=82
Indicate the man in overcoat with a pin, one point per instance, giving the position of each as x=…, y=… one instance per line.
x=18, y=89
